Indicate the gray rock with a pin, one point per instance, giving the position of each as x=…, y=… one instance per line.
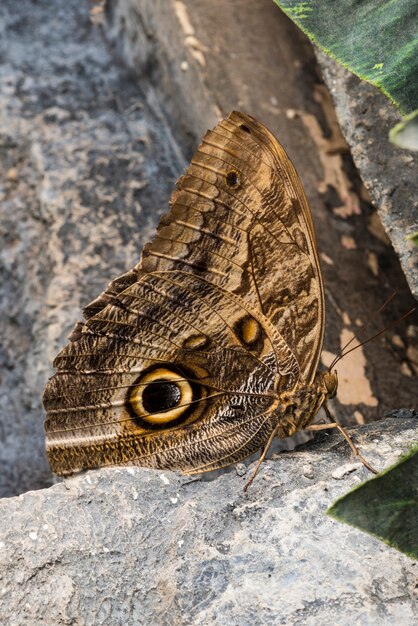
x=87, y=162
x=403, y=413
x=135, y=546
x=203, y=59
x=86, y=169
x=389, y=173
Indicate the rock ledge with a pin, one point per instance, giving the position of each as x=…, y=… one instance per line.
x=135, y=546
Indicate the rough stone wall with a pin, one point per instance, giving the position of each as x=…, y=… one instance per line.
x=389, y=173
x=86, y=170
x=248, y=55
x=87, y=162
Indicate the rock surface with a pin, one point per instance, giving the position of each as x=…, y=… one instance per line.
x=135, y=546
x=207, y=58
x=86, y=169
x=87, y=163
x=389, y=173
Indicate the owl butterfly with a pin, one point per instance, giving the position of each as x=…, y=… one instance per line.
x=209, y=346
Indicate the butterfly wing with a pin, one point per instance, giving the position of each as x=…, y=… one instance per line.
x=240, y=219
x=224, y=309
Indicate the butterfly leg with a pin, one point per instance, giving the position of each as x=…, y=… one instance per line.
x=262, y=457
x=346, y=436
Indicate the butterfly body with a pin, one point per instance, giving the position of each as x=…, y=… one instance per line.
x=211, y=342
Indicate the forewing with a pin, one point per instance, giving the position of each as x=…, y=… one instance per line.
x=240, y=219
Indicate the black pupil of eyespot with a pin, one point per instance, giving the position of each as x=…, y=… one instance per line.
x=160, y=395
x=232, y=179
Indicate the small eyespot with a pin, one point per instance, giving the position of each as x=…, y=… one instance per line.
x=197, y=342
x=249, y=330
x=233, y=179
x=245, y=129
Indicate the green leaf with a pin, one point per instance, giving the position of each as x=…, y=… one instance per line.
x=386, y=506
x=413, y=237
x=375, y=39
x=405, y=134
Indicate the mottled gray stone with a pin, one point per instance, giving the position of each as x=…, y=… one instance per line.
x=86, y=169
x=146, y=34
x=87, y=162
x=390, y=174
x=134, y=546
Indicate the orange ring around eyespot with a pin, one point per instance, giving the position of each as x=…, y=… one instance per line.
x=164, y=417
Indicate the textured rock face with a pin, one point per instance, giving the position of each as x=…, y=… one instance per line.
x=389, y=173
x=79, y=152
x=134, y=546
x=87, y=163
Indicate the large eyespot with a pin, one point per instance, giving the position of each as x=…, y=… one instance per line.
x=161, y=398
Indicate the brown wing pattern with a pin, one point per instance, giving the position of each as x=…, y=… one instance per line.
x=224, y=309
x=240, y=219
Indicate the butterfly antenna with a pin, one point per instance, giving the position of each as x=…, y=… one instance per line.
x=379, y=310
x=374, y=336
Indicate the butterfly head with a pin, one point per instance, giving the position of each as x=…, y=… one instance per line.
x=330, y=383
